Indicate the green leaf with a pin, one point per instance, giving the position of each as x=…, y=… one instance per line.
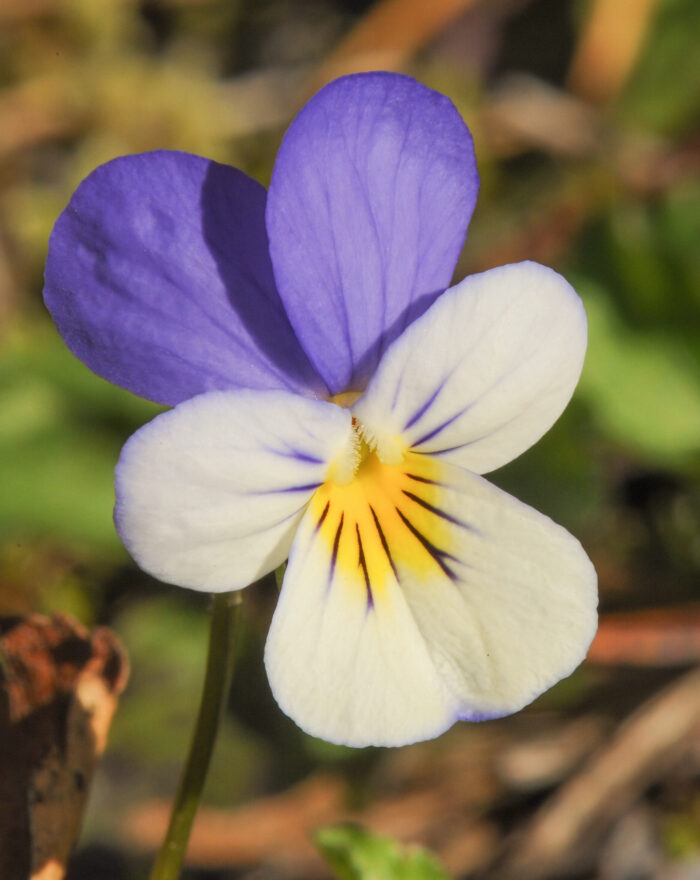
x=61, y=429
x=641, y=386
x=356, y=854
x=60, y=483
x=663, y=91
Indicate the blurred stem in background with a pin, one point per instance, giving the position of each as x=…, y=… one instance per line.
x=217, y=680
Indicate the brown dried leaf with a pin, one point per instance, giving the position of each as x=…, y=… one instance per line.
x=58, y=691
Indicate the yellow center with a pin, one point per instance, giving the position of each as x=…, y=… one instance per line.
x=384, y=520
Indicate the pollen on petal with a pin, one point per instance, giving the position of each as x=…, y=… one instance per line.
x=344, y=466
x=389, y=448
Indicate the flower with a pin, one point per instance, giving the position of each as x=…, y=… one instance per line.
x=335, y=404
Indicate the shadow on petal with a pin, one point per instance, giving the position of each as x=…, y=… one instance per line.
x=367, y=364
x=241, y=254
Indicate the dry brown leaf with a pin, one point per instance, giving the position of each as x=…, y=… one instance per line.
x=59, y=685
x=524, y=112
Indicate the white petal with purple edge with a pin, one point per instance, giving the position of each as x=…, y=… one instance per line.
x=485, y=372
x=420, y=594
x=210, y=493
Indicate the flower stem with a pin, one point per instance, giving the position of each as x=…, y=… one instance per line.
x=217, y=680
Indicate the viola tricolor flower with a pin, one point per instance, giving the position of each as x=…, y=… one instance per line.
x=336, y=405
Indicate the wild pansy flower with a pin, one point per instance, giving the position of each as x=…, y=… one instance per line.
x=335, y=404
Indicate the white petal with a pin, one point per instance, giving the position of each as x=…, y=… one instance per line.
x=345, y=671
x=210, y=493
x=439, y=597
x=485, y=372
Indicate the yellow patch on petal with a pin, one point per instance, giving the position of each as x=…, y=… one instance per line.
x=345, y=398
x=386, y=519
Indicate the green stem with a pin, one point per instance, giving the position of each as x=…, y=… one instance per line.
x=217, y=680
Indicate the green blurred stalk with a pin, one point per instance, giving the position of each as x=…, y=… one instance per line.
x=217, y=680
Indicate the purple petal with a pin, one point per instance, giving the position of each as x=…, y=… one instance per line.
x=159, y=279
x=368, y=207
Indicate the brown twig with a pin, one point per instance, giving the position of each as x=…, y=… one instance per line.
x=659, y=637
x=610, y=44
x=641, y=750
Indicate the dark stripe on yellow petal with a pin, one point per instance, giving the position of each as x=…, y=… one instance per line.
x=438, y=555
x=323, y=516
x=382, y=538
x=363, y=565
x=336, y=543
x=425, y=480
x=436, y=510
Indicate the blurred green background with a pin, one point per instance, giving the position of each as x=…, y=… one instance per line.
x=585, y=120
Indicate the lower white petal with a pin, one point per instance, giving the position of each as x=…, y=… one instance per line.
x=344, y=671
x=420, y=594
x=209, y=494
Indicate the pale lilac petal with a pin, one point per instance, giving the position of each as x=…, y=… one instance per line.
x=159, y=279
x=370, y=199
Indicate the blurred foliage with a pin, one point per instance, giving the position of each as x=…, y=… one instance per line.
x=682, y=832
x=59, y=441
x=166, y=639
x=616, y=207
x=662, y=96
x=356, y=854
x=653, y=407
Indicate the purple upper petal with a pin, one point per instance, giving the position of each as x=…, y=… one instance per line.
x=159, y=279
x=368, y=208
